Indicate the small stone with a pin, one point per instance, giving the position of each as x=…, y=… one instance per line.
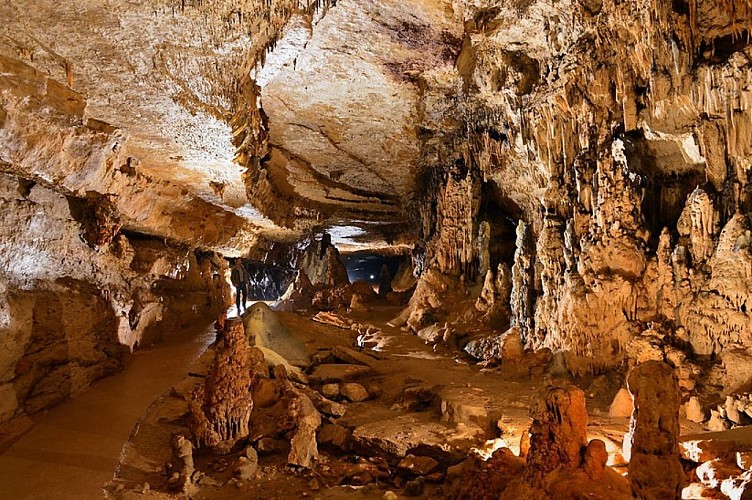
x=390, y=495
x=418, y=465
x=353, y=392
x=435, y=477
x=265, y=393
x=374, y=391
x=693, y=410
x=717, y=422
x=251, y=454
x=246, y=468
x=622, y=404
x=330, y=390
x=732, y=413
x=414, y=488
x=269, y=445
x=334, y=435
x=314, y=485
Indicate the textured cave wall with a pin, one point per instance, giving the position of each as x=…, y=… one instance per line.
x=71, y=310
x=47, y=135
x=600, y=124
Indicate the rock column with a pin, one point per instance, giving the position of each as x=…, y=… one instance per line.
x=654, y=468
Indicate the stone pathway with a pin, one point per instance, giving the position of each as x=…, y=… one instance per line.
x=73, y=450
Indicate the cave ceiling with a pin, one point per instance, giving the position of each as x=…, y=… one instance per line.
x=342, y=92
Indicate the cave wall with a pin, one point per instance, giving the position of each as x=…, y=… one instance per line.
x=601, y=123
x=71, y=311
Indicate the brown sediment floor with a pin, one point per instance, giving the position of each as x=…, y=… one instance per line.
x=467, y=397
x=73, y=450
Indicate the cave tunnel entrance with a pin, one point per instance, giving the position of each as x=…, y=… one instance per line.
x=502, y=214
x=366, y=265
x=670, y=173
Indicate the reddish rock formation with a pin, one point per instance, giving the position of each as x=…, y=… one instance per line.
x=558, y=435
x=221, y=408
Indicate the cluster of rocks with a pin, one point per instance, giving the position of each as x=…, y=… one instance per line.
x=322, y=284
x=719, y=464
x=735, y=411
x=251, y=402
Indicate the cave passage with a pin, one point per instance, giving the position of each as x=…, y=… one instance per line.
x=492, y=249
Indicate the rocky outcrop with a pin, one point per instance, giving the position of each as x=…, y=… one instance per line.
x=558, y=435
x=75, y=303
x=559, y=464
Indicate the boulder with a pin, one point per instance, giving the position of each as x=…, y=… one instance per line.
x=307, y=420
x=622, y=404
x=352, y=391
x=417, y=465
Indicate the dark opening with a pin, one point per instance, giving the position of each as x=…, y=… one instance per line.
x=366, y=265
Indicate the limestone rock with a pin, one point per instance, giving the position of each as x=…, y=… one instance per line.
x=330, y=390
x=418, y=465
x=622, y=405
x=353, y=391
x=339, y=373
x=351, y=356
x=693, y=410
x=303, y=445
x=334, y=435
x=507, y=347
x=263, y=329
x=246, y=466
x=654, y=468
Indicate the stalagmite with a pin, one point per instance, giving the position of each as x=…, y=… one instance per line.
x=654, y=468
x=521, y=300
x=221, y=407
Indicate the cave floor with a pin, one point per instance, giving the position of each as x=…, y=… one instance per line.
x=465, y=405
x=431, y=399
x=71, y=451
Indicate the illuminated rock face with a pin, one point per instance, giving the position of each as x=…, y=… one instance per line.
x=71, y=310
